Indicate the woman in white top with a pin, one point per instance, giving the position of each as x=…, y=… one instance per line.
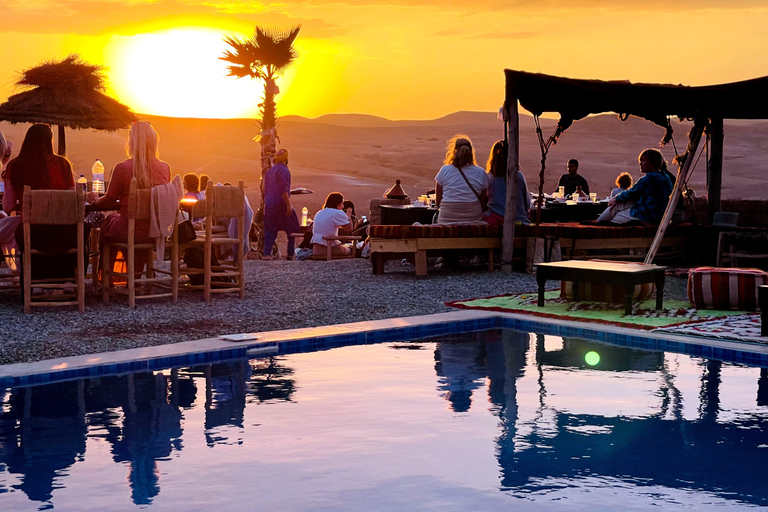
x=327, y=223
x=461, y=198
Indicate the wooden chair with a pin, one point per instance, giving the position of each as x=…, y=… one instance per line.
x=58, y=208
x=228, y=276
x=139, y=205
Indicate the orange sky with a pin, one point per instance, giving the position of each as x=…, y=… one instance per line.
x=408, y=59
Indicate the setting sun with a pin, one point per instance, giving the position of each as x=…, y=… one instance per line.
x=178, y=73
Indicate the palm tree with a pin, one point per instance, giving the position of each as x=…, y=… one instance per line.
x=265, y=56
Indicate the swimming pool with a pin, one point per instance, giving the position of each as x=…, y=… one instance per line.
x=479, y=421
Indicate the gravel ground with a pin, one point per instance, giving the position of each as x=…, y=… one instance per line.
x=279, y=295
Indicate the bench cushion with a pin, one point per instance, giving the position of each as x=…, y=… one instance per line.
x=725, y=288
x=560, y=230
x=435, y=231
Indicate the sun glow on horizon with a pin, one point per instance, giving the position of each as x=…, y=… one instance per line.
x=178, y=73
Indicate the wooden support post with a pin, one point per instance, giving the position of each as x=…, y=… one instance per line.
x=62, y=141
x=714, y=167
x=513, y=164
x=682, y=176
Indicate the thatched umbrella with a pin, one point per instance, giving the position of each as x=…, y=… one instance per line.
x=66, y=93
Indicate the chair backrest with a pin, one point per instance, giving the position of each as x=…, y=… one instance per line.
x=729, y=219
x=225, y=200
x=54, y=207
x=139, y=201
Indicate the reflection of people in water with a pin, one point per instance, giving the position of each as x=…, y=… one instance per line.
x=224, y=398
x=49, y=438
x=151, y=430
x=461, y=366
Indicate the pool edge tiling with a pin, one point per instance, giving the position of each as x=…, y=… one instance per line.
x=211, y=350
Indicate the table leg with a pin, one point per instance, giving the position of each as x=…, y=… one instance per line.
x=575, y=289
x=762, y=302
x=542, y=281
x=629, y=291
x=660, y=292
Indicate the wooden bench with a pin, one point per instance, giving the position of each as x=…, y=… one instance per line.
x=394, y=242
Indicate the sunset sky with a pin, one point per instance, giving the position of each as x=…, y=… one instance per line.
x=406, y=59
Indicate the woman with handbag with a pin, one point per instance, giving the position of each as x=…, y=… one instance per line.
x=460, y=185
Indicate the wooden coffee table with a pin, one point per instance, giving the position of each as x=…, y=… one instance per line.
x=602, y=272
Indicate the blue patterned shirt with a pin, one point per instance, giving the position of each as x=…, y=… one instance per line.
x=649, y=197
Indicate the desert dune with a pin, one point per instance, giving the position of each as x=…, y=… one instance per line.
x=362, y=155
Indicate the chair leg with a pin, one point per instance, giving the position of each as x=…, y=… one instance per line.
x=106, y=278
x=130, y=258
x=27, y=273
x=175, y=271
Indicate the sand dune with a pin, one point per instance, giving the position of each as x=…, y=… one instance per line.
x=362, y=155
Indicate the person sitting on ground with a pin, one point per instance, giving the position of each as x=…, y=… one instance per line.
x=497, y=189
x=623, y=182
x=145, y=165
x=327, y=223
x=571, y=180
x=460, y=185
x=349, y=208
x=39, y=167
x=647, y=199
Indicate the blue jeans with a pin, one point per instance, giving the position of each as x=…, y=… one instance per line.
x=274, y=222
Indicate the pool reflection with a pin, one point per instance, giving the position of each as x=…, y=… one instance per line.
x=553, y=445
x=43, y=429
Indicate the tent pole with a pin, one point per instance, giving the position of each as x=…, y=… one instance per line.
x=682, y=176
x=62, y=141
x=714, y=167
x=513, y=164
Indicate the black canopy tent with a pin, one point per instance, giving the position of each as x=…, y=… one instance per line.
x=574, y=99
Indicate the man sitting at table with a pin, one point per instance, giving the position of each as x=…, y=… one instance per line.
x=573, y=179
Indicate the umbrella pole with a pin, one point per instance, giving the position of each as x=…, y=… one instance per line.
x=62, y=141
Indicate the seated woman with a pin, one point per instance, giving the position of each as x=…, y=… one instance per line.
x=623, y=182
x=192, y=186
x=460, y=185
x=38, y=166
x=327, y=223
x=497, y=189
x=144, y=164
x=7, y=228
x=647, y=199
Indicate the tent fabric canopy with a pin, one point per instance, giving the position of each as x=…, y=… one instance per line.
x=575, y=99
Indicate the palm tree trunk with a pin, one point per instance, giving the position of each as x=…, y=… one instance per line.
x=268, y=125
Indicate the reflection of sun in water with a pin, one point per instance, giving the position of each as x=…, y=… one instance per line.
x=178, y=73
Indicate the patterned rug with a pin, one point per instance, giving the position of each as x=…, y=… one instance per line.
x=744, y=327
x=644, y=314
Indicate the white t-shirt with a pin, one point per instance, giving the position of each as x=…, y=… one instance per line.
x=455, y=189
x=327, y=223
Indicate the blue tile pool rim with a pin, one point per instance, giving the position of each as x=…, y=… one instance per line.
x=305, y=340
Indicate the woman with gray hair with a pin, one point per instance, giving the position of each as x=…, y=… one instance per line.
x=460, y=185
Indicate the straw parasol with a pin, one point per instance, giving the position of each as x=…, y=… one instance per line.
x=67, y=93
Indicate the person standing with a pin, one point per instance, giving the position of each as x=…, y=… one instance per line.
x=279, y=215
x=572, y=179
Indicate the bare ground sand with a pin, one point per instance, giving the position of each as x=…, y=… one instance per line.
x=361, y=156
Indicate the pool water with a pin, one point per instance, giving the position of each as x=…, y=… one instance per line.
x=479, y=421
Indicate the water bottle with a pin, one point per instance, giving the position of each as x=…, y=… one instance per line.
x=304, y=213
x=82, y=182
x=98, y=177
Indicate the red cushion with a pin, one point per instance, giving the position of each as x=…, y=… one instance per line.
x=436, y=231
x=725, y=288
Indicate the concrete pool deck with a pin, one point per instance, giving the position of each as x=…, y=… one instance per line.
x=210, y=350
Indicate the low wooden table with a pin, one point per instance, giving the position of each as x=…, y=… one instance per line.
x=602, y=272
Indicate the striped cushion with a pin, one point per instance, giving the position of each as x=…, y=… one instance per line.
x=725, y=288
x=435, y=231
x=606, y=292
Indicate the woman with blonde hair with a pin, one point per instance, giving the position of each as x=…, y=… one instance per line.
x=145, y=165
x=460, y=185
